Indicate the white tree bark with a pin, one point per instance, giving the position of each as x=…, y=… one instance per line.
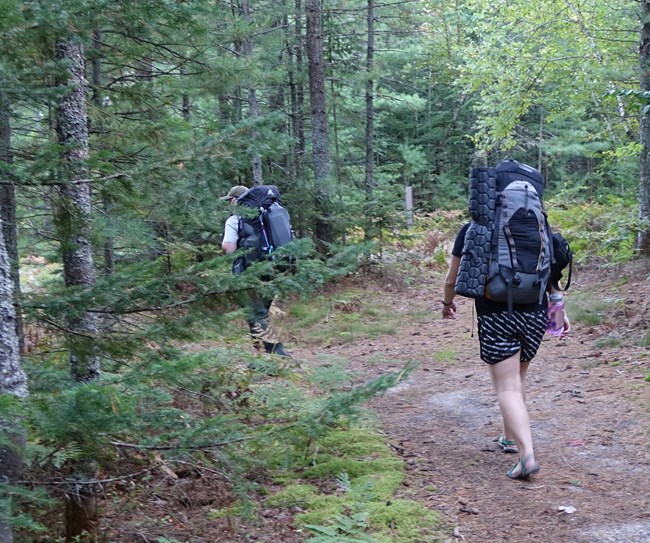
x=12, y=381
x=73, y=205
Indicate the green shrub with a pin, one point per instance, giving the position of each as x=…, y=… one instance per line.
x=601, y=231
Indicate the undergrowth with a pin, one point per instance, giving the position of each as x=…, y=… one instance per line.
x=168, y=398
x=597, y=232
x=366, y=476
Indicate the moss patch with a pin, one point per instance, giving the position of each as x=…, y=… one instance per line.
x=403, y=521
x=293, y=495
x=358, y=472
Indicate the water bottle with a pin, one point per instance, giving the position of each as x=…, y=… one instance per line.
x=555, y=325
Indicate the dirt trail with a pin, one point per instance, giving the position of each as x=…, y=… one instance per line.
x=590, y=413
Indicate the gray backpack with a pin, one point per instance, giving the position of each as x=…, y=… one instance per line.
x=508, y=251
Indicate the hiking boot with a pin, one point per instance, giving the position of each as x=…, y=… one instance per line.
x=276, y=348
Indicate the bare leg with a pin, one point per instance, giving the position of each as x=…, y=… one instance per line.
x=523, y=369
x=508, y=378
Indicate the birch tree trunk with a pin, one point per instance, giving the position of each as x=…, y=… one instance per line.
x=643, y=240
x=72, y=202
x=320, y=151
x=12, y=381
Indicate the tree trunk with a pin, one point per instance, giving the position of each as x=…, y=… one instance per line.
x=334, y=117
x=320, y=151
x=299, y=110
x=73, y=218
x=278, y=99
x=643, y=240
x=73, y=203
x=185, y=99
x=12, y=381
x=253, y=106
x=8, y=214
x=370, y=115
x=297, y=99
x=107, y=198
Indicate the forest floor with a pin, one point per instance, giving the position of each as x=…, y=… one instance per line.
x=588, y=399
x=589, y=404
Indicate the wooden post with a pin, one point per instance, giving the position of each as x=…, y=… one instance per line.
x=409, y=206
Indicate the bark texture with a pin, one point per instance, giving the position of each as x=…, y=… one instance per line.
x=370, y=112
x=298, y=93
x=8, y=213
x=12, y=377
x=320, y=150
x=643, y=242
x=72, y=200
x=12, y=381
x=253, y=106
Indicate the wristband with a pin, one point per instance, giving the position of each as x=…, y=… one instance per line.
x=446, y=305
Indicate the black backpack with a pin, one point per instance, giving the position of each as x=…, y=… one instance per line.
x=562, y=257
x=264, y=225
x=508, y=251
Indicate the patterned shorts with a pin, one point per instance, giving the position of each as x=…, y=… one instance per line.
x=502, y=334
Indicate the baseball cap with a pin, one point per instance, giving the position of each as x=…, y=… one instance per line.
x=234, y=192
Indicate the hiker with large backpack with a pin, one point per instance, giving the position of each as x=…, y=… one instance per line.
x=504, y=259
x=261, y=225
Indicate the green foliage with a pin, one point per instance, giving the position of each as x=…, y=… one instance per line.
x=292, y=496
x=447, y=356
x=343, y=529
x=171, y=129
x=645, y=340
x=343, y=320
x=14, y=500
x=403, y=521
x=608, y=341
x=601, y=232
x=180, y=403
x=366, y=474
x=589, y=309
x=540, y=62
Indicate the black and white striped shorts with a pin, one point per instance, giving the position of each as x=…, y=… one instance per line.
x=502, y=334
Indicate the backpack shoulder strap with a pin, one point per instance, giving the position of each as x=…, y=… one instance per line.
x=240, y=229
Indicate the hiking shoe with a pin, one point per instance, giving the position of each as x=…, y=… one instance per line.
x=276, y=348
x=507, y=445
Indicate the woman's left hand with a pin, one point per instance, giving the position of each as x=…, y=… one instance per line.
x=449, y=311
